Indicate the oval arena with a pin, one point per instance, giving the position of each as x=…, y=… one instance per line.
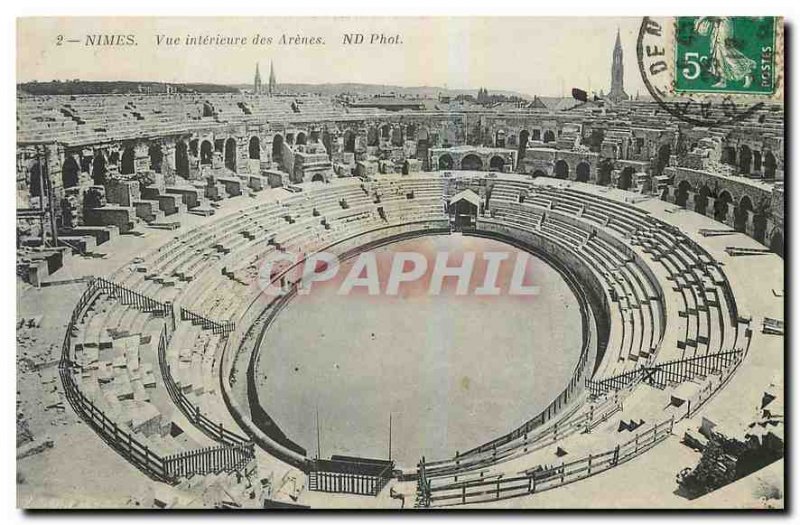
x=644, y=236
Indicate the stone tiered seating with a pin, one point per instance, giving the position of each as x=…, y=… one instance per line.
x=116, y=368
x=188, y=271
x=211, y=270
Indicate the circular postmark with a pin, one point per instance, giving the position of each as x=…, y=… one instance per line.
x=657, y=61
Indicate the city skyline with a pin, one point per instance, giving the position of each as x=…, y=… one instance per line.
x=545, y=57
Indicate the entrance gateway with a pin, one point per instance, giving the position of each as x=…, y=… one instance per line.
x=463, y=210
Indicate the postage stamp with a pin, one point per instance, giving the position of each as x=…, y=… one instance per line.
x=710, y=71
x=725, y=54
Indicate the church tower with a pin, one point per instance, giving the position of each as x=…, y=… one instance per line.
x=617, y=92
x=257, y=82
x=272, y=83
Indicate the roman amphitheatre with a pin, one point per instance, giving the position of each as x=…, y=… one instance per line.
x=153, y=371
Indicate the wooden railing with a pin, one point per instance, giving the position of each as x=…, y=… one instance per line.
x=216, y=327
x=130, y=298
x=212, y=429
x=661, y=375
x=210, y=460
x=225, y=458
x=543, y=477
x=583, y=421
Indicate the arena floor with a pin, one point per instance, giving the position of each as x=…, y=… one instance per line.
x=453, y=371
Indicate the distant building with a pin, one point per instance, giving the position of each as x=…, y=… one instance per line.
x=272, y=83
x=617, y=92
x=258, y=86
x=257, y=82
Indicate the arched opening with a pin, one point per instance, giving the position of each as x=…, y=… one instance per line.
x=349, y=141
x=625, y=181
x=596, y=140
x=156, y=157
x=423, y=144
x=386, y=132
x=729, y=155
x=760, y=226
x=582, y=172
x=327, y=143
x=208, y=109
x=471, y=162
x=318, y=178
x=756, y=161
x=254, y=148
x=539, y=173
x=37, y=179
x=662, y=160
x=182, y=159
x=537, y=135
x=372, y=136
x=604, y=172
x=410, y=132
x=745, y=158
x=397, y=136
x=740, y=214
x=206, y=152
x=290, y=139
x=497, y=163
x=549, y=136
x=301, y=139
x=445, y=162
x=701, y=200
x=776, y=243
x=500, y=139
x=561, y=170
x=404, y=171
x=230, y=154
x=126, y=166
x=277, y=150
x=682, y=194
x=770, y=165
x=313, y=137
x=70, y=172
x=721, y=206
x=524, y=135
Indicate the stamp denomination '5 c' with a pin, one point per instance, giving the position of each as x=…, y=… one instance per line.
x=725, y=54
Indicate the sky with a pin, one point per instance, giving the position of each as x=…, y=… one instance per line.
x=541, y=56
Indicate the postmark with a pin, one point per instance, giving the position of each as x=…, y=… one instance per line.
x=701, y=70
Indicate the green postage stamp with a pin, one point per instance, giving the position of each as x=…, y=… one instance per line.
x=725, y=54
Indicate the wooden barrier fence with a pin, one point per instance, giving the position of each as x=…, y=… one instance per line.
x=130, y=298
x=223, y=328
x=212, y=429
x=668, y=373
x=527, y=443
x=225, y=458
x=349, y=475
x=210, y=460
x=539, y=479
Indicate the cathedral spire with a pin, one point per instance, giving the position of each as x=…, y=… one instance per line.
x=617, y=91
x=272, y=82
x=257, y=82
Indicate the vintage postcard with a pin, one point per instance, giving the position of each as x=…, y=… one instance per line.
x=400, y=263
